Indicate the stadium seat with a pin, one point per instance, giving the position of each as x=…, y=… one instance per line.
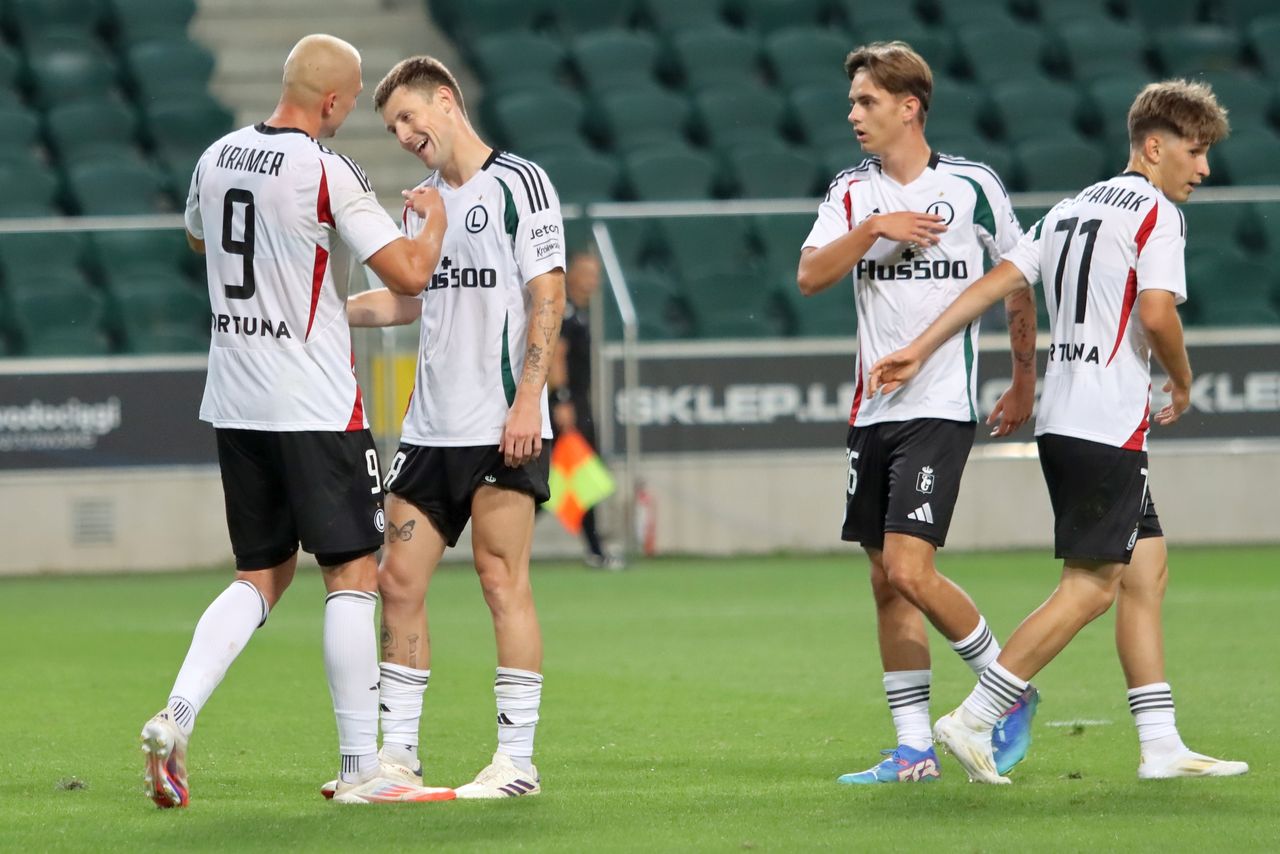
x=631, y=119
x=1055, y=13
x=633, y=240
x=33, y=19
x=704, y=246
x=58, y=342
x=1090, y=49
x=82, y=129
x=48, y=311
x=1247, y=158
x=169, y=340
x=173, y=67
x=63, y=67
x=780, y=237
x=1020, y=51
x=835, y=158
x=733, y=116
x=773, y=172
x=958, y=13
x=716, y=57
x=994, y=155
x=136, y=21
x=669, y=173
x=767, y=16
x=584, y=178
x=585, y=16
x=120, y=257
x=1106, y=104
x=10, y=67
x=1030, y=109
x=21, y=128
x=1195, y=49
x=537, y=117
x=152, y=306
x=112, y=187
x=829, y=314
x=1230, y=291
x=183, y=123
x=929, y=42
x=955, y=108
x=1264, y=41
x=821, y=114
x=613, y=59
x=25, y=193
x=803, y=56
x=1239, y=13
x=465, y=19
x=1217, y=225
x=735, y=304
x=1164, y=14
x=674, y=16
x=1250, y=102
x=26, y=275
x=1058, y=165
x=507, y=61
x=659, y=313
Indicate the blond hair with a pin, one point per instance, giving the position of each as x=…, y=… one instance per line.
x=1184, y=108
x=896, y=68
x=424, y=73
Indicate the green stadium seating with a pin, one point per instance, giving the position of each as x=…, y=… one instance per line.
x=735, y=304
x=21, y=128
x=51, y=311
x=669, y=173
x=633, y=240
x=465, y=19
x=537, y=117
x=1055, y=13
x=175, y=67
x=673, y=16
x=1230, y=291
x=186, y=122
x=614, y=59
x=769, y=15
x=1239, y=13
x=1247, y=158
x=508, y=61
x=837, y=157
x=1019, y=52
x=151, y=306
x=583, y=178
x=58, y=342
x=583, y=16
x=62, y=67
x=1030, y=109
x=1058, y=165
x=998, y=157
x=1249, y=101
x=42, y=252
x=114, y=187
x=1264, y=41
x=36, y=18
x=958, y=13
x=120, y=257
x=773, y=172
x=821, y=114
x=733, y=116
x=10, y=66
x=136, y=21
x=780, y=237
x=85, y=129
x=637, y=118
x=659, y=313
x=24, y=193
x=169, y=340
x=716, y=57
x=1106, y=105
x=929, y=42
x=1091, y=49
x=1196, y=49
x=1216, y=225
x=955, y=107
x=804, y=56
x=705, y=246
x=1164, y=14
x=831, y=313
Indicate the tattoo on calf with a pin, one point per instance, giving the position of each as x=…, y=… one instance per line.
x=413, y=651
x=388, y=639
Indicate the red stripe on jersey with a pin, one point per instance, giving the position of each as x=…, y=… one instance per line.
x=324, y=215
x=357, y=411
x=323, y=212
x=848, y=208
x=1138, y=439
x=1131, y=285
x=857, y=392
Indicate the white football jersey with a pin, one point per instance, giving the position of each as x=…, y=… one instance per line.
x=1095, y=253
x=900, y=289
x=504, y=230
x=280, y=215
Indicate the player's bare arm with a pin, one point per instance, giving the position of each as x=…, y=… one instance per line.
x=562, y=415
x=820, y=268
x=522, y=434
x=1159, y=315
x=196, y=244
x=381, y=307
x=405, y=265
x=896, y=368
x=1014, y=406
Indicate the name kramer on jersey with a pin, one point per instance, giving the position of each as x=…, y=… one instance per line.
x=260, y=160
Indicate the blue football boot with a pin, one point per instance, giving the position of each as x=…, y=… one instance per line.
x=903, y=765
x=1011, y=737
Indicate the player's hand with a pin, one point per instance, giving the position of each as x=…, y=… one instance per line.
x=1179, y=400
x=563, y=416
x=522, y=434
x=892, y=371
x=922, y=229
x=1012, y=409
x=425, y=201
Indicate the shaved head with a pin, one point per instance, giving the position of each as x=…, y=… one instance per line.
x=318, y=65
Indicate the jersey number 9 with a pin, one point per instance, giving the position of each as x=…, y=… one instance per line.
x=242, y=247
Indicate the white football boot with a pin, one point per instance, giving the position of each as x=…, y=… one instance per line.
x=165, y=749
x=1188, y=763
x=970, y=747
x=501, y=779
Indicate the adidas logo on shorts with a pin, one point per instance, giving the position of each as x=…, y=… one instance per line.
x=923, y=513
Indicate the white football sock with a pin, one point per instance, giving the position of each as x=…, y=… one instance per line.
x=979, y=648
x=220, y=635
x=519, y=694
x=908, y=695
x=1153, y=712
x=996, y=692
x=401, y=689
x=351, y=665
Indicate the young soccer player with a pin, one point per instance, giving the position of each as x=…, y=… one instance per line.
x=297, y=459
x=911, y=225
x=1113, y=250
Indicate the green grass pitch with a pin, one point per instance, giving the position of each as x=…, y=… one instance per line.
x=689, y=705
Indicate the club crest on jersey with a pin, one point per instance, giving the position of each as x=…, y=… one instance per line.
x=477, y=218
x=924, y=480
x=944, y=210
x=380, y=520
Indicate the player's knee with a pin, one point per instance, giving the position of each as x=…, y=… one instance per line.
x=399, y=582
x=504, y=588
x=882, y=590
x=907, y=578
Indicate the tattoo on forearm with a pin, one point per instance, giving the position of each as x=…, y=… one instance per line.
x=1022, y=335
x=545, y=326
x=402, y=533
